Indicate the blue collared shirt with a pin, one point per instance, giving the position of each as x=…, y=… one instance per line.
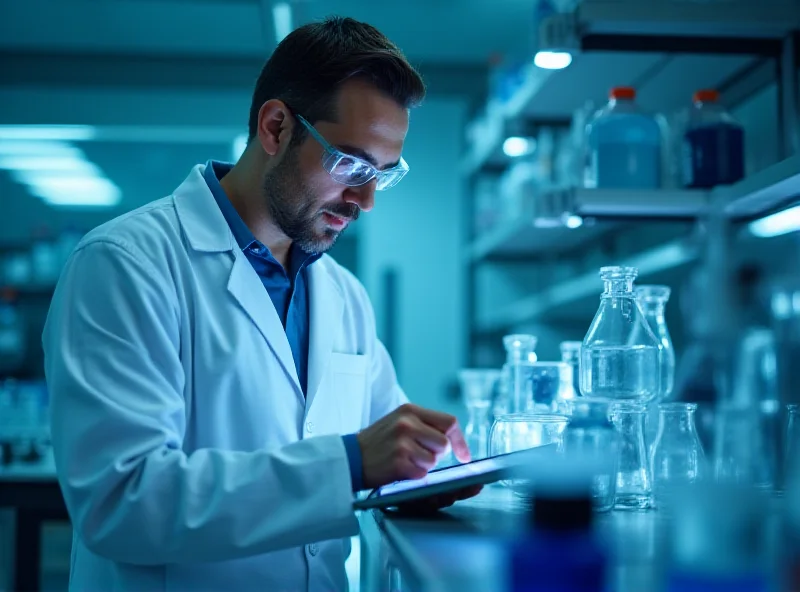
x=288, y=290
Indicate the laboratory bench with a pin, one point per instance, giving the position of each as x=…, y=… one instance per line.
x=465, y=548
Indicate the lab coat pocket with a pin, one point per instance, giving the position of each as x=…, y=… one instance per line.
x=349, y=385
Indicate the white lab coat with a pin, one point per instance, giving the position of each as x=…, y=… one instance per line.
x=188, y=457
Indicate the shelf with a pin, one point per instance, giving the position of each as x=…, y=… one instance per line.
x=663, y=258
x=763, y=192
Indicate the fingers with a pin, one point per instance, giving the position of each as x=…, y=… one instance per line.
x=447, y=425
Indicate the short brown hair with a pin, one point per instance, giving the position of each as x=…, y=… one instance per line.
x=307, y=68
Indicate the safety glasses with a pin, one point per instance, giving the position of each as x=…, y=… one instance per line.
x=351, y=170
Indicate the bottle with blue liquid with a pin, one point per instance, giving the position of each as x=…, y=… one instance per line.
x=624, y=144
x=713, y=144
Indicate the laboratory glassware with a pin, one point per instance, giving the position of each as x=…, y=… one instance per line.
x=520, y=431
x=620, y=355
x=519, y=348
x=653, y=302
x=540, y=387
x=477, y=388
x=677, y=458
x=625, y=145
x=791, y=455
x=634, y=484
x=571, y=354
x=591, y=438
x=713, y=144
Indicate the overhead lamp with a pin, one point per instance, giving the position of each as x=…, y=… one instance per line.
x=65, y=133
x=552, y=60
x=573, y=221
x=776, y=224
x=239, y=145
x=515, y=146
x=39, y=148
x=282, y=20
x=22, y=165
x=80, y=191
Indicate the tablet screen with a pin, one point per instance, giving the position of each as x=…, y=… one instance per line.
x=477, y=467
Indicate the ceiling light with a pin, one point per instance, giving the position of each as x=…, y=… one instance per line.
x=776, y=224
x=42, y=148
x=23, y=164
x=573, y=221
x=75, y=191
x=553, y=60
x=518, y=146
x=66, y=133
x=239, y=144
x=282, y=20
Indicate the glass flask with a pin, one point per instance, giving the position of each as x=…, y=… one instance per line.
x=520, y=431
x=678, y=458
x=620, y=354
x=591, y=438
x=477, y=389
x=519, y=349
x=634, y=489
x=653, y=301
x=540, y=387
x=571, y=354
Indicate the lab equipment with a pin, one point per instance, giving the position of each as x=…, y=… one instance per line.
x=561, y=553
x=713, y=144
x=519, y=348
x=519, y=431
x=653, y=301
x=477, y=388
x=479, y=472
x=571, y=354
x=590, y=436
x=634, y=483
x=678, y=458
x=620, y=353
x=624, y=145
x=791, y=455
x=13, y=341
x=541, y=387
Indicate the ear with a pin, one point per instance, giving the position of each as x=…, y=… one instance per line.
x=275, y=125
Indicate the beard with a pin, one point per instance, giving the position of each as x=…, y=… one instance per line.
x=295, y=209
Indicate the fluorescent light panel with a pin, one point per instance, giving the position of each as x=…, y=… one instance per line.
x=282, y=19
x=515, y=146
x=552, y=60
x=67, y=133
x=776, y=224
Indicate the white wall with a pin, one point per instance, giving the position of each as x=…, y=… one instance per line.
x=416, y=227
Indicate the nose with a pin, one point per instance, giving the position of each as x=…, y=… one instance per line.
x=363, y=196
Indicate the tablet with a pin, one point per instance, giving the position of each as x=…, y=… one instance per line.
x=477, y=472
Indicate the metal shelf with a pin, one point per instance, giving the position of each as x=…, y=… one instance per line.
x=663, y=258
x=763, y=192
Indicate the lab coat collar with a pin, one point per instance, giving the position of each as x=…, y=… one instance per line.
x=326, y=307
x=202, y=221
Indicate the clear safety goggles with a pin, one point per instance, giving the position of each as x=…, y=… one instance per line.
x=351, y=170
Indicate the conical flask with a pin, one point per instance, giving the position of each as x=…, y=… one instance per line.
x=620, y=356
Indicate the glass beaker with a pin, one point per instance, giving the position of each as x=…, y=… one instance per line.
x=620, y=353
x=519, y=349
x=634, y=488
x=571, y=354
x=477, y=388
x=653, y=301
x=678, y=458
x=520, y=431
x=540, y=387
x=591, y=438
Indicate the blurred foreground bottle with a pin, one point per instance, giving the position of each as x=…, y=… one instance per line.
x=477, y=389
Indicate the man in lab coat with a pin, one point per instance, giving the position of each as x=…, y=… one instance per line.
x=218, y=390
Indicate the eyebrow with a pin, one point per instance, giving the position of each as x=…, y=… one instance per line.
x=354, y=151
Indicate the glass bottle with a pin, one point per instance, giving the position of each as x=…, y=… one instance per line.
x=571, y=354
x=677, y=458
x=519, y=349
x=653, y=301
x=634, y=489
x=620, y=353
x=477, y=388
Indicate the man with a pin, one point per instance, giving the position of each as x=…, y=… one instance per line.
x=212, y=374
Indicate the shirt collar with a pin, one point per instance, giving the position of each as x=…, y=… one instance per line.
x=244, y=237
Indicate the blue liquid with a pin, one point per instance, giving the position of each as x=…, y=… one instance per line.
x=625, y=152
x=713, y=155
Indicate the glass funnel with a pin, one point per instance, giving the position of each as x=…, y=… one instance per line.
x=620, y=354
x=678, y=458
x=653, y=302
x=477, y=389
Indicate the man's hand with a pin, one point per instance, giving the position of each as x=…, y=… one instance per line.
x=433, y=504
x=407, y=443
